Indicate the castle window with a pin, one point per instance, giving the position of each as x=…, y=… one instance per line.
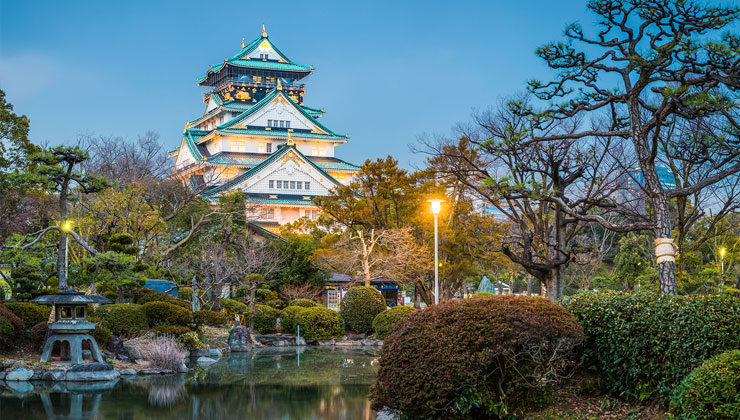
x=299, y=185
x=238, y=146
x=307, y=185
x=322, y=151
x=292, y=185
x=315, y=150
x=269, y=147
x=287, y=124
x=280, y=184
x=272, y=184
x=261, y=148
x=269, y=123
x=282, y=124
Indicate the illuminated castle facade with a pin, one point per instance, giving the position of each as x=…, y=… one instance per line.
x=257, y=136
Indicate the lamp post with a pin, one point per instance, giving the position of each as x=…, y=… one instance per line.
x=722, y=259
x=436, y=205
x=66, y=227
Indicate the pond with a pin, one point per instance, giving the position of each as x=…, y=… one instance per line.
x=296, y=383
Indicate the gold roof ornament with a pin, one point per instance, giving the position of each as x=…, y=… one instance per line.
x=187, y=126
x=242, y=42
x=279, y=85
x=264, y=32
x=290, y=140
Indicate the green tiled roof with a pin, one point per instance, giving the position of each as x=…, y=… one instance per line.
x=282, y=134
x=280, y=201
x=249, y=160
x=264, y=101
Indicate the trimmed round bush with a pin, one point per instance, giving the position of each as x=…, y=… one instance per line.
x=174, y=330
x=319, y=323
x=483, y=294
x=212, y=318
x=711, y=391
x=454, y=359
x=123, y=319
x=191, y=341
x=102, y=336
x=148, y=295
x=306, y=303
x=30, y=313
x=163, y=313
x=388, y=319
x=234, y=306
x=265, y=318
x=7, y=332
x=360, y=306
x=288, y=319
x=17, y=323
x=645, y=344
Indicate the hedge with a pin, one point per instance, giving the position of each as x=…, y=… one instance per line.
x=319, y=323
x=306, y=303
x=288, y=319
x=645, y=344
x=17, y=323
x=486, y=357
x=173, y=330
x=388, y=319
x=711, y=391
x=7, y=332
x=360, y=306
x=212, y=318
x=233, y=306
x=102, y=336
x=265, y=318
x=123, y=319
x=163, y=313
x=30, y=313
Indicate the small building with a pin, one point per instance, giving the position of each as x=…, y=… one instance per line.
x=338, y=284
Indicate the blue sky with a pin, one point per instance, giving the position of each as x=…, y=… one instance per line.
x=386, y=72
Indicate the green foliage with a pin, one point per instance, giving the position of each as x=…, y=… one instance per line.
x=234, y=307
x=388, y=319
x=30, y=313
x=122, y=243
x=124, y=319
x=288, y=319
x=185, y=293
x=27, y=282
x=192, y=341
x=319, y=323
x=483, y=294
x=163, y=313
x=265, y=318
x=268, y=297
x=360, y=306
x=112, y=272
x=102, y=336
x=242, y=292
x=13, y=318
x=146, y=295
x=711, y=391
x=306, y=303
x=476, y=358
x=645, y=344
x=7, y=332
x=630, y=266
x=14, y=143
x=212, y=318
x=174, y=330
x=296, y=267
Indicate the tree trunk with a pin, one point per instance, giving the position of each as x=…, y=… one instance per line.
x=61, y=261
x=529, y=285
x=664, y=250
x=417, y=298
x=252, y=297
x=550, y=285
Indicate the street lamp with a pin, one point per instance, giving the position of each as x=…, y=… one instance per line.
x=722, y=259
x=66, y=227
x=436, y=205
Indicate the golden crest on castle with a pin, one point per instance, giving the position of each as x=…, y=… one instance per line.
x=242, y=95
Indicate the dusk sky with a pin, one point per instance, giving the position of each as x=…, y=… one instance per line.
x=385, y=72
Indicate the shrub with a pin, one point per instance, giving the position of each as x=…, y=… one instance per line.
x=483, y=294
x=38, y=332
x=306, y=303
x=123, y=319
x=475, y=358
x=233, y=306
x=17, y=323
x=319, y=323
x=102, y=336
x=646, y=344
x=268, y=297
x=164, y=352
x=360, y=306
x=30, y=313
x=388, y=319
x=288, y=319
x=113, y=296
x=242, y=292
x=211, y=318
x=711, y=391
x=174, y=330
x=265, y=318
x=7, y=332
x=191, y=341
x=148, y=295
x=163, y=313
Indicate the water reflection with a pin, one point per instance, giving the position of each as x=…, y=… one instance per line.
x=300, y=383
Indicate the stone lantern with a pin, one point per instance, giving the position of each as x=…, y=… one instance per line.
x=70, y=327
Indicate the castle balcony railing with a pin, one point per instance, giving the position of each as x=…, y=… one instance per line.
x=270, y=85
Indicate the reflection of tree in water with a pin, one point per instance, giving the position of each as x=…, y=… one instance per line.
x=167, y=391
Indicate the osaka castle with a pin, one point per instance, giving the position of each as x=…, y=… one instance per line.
x=257, y=136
